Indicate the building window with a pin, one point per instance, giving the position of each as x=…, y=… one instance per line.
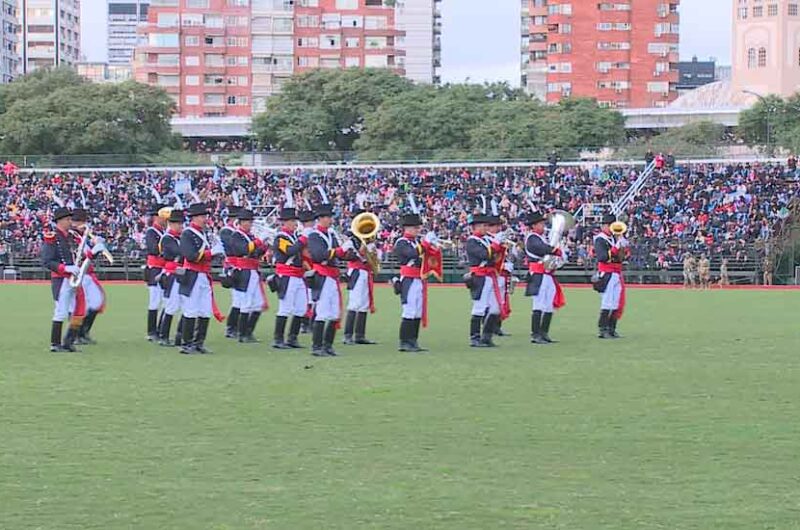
x=758, y=11
x=762, y=57
x=792, y=10
x=192, y=60
x=751, y=58
x=191, y=40
x=192, y=80
x=193, y=100
x=742, y=13
x=772, y=10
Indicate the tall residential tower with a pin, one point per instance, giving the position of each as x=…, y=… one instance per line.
x=50, y=34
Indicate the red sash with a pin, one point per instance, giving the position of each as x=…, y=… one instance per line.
x=490, y=272
x=559, y=300
x=155, y=262
x=615, y=268
x=416, y=273
x=332, y=273
x=170, y=267
x=360, y=265
x=205, y=268
x=281, y=269
x=246, y=264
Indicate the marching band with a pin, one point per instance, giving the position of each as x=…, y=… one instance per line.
x=308, y=254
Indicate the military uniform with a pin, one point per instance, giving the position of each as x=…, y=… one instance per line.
x=724, y=278
x=413, y=288
x=610, y=255
x=307, y=220
x=326, y=253
x=170, y=280
x=482, y=281
x=226, y=280
x=58, y=257
x=196, y=284
x=290, y=284
x=542, y=285
x=92, y=289
x=704, y=272
x=152, y=272
x=361, y=297
x=245, y=252
x=689, y=274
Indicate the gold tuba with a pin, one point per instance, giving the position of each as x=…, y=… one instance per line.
x=365, y=227
x=618, y=228
x=561, y=222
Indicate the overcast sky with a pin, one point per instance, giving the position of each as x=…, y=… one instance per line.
x=481, y=38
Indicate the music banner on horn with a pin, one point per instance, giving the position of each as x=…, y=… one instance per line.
x=432, y=264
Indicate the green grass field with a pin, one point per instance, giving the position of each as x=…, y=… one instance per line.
x=690, y=422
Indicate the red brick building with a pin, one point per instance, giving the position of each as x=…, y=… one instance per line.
x=623, y=53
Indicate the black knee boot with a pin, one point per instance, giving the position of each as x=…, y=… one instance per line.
x=489, y=325
x=55, y=336
x=152, y=330
x=330, y=336
x=86, y=327
x=243, y=320
x=251, y=326
x=536, y=328
x=602, y=324
x=232, y=324
x=187, y=334
x=318, y=332
x=179, y=332
x=475, y=331
x=294, y=331
x=280, y=328
x=417, y=324
x=349, y=327
x=612, y=325
x=166, y=324
x=202, y=331
x=69, y=338
x=547, y=318
x=406, y=335
x=361, y=329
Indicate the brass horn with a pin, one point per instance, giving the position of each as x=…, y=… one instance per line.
x=618, y=228
x=365, y=227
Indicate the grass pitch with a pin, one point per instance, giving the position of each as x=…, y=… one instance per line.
x=690, y=422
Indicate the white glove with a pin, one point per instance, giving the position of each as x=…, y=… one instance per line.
x=500, y=238
x=431, y=238
x=509, y=267
x=307, y=231
x=217, y=249
x=347, y=246
x=73, y=269
x=98, y=248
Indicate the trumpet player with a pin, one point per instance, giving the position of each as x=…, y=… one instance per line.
x=360, y=288
x=171, y=252
x=92, y=289
x=542, y=285
x=306, y=218
x=245, y=252
x=58, y=256
x=293, y=296
x=482, y=281
x=226, y=279
x=154, y=268
x=610, y=249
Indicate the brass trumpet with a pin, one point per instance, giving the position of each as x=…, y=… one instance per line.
x=83, y=262
x=365, y=226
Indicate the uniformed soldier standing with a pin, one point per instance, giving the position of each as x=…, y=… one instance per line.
x=293, y=296
x=724, y=278
x=689, y=266
x=153, y=269
x=542, y=285
x=326, y=252
x=360, y=286
x=92, y=289
x=57, y=256
x=410, y=252
x=487, y=301
x=307, y=225
x=246, y=252
x=170, y=280
x=225, y=233
x=704, y=272
x=196, y=286
x=610, y=254
x=504, y=267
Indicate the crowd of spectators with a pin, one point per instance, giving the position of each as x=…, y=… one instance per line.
x=726, y=211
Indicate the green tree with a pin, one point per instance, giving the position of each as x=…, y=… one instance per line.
x=324, y=110
x=700, y=139
x=764, y=122
x=62, y=114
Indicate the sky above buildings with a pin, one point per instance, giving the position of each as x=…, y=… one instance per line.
x=481, y=38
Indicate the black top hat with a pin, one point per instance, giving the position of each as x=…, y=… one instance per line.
x=479, y=218
x=323, y=210
x=287, y=214
x=534, y=218
x=233, y=211
x=79, y=214
x=305, y=216
x=609, y=218
x=154, y=209
x=411, y=219
x=245, y=215
x=494, y=220
x=357, y=211
x=176, y=216
x=196, y=209
x=61, y=213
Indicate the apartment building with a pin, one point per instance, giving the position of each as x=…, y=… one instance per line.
x=226, y=57
x=623, y=53
x=9, y=68
x=50, y=33
x=123, y=18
